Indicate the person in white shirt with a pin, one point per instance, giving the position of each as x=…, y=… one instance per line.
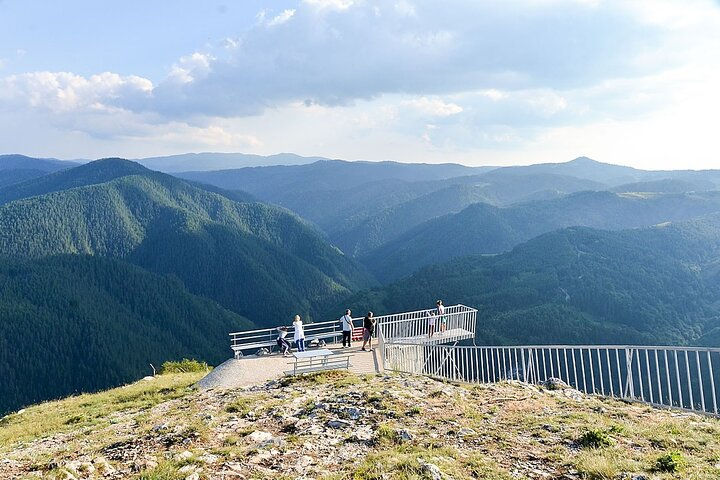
x=347, y=326
x=441, y=315
x=299, y=334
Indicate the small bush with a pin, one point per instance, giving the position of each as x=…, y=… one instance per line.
x=415, y=410
x=617, y=429
x=595, y=439
x=184, y=366
x=670, y=462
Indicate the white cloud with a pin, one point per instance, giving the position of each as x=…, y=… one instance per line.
x=434, y=106
x=282, y=18
x=190, y=67
x=406, y=8
x=414, y=80
x=63, y=91
x=329, y=4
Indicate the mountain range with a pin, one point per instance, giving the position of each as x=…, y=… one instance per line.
x=108, y=266
x=657, y=285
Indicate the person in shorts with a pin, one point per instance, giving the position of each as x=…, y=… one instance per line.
x=442, y=318
x=368, y=330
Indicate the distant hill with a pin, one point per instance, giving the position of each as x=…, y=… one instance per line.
x=340, y=197
x=22, y=162
x=75, y=323
x=657, y=285
x=19, y=168
x=393, y=221
x=336, y=175
x=89, y=174
x=256, y=260
x=486, y=229
x=611, y=175
x=667, y=185
x=93, y=173
x=221, y=161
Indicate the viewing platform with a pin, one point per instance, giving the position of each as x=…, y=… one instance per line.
x=666, y=376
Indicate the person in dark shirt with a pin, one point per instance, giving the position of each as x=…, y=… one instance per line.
x=368, y=330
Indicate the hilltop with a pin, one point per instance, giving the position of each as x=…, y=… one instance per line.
x=338, y=425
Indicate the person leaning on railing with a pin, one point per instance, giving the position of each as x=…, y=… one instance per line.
x=368, y=330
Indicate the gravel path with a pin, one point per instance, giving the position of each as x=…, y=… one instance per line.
x=252, y=370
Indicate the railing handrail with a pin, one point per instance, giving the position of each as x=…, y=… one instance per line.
x=237, y=339
x=673, y=377
x=591, y=347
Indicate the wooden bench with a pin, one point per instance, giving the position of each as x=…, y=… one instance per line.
x=317, y=364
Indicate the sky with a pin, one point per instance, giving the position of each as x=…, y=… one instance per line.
x=504, y=82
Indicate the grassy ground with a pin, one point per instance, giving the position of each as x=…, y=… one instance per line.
x=91, y=411
x=497, y=432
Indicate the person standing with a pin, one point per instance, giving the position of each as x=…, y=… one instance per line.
x=368, y=330
x=441, y=315
x=347, y=326
x=299, y=334
x=431, y=322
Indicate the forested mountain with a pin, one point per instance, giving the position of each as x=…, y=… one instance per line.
x=391, y=222
x=656, y=285
x=18, y=168
x=22, y=162
x=254, y=259
x=611, y=175
x=93, y=173
x=221, y=161
x=81, y=323
x=667, y=185
x=89, y=174
x=486, y=229
x=343, y=197
x=275, y=181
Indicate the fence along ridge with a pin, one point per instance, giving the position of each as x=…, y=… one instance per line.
x=675, y=377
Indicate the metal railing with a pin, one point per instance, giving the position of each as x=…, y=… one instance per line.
x=266, y=337
x=401, y=326
x=393, y=326
x=678, y=377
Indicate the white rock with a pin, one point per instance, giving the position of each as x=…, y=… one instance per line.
x=303, y=463
x=259, y=436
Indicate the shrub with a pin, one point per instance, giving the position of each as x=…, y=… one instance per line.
x=670, y=462
x=184, y=366
x=595, y=439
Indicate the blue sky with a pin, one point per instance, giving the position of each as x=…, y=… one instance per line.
x=469, y=81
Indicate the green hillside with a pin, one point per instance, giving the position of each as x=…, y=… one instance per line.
x=78, y=323
x=398, y=219
x=656, y=285
x=257, y=260
x=88, y=174
x=343, y=197
x=486, y=229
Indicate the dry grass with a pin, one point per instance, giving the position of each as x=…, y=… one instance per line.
x=91, y=411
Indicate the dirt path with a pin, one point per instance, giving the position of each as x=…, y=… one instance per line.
x=251, y=370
